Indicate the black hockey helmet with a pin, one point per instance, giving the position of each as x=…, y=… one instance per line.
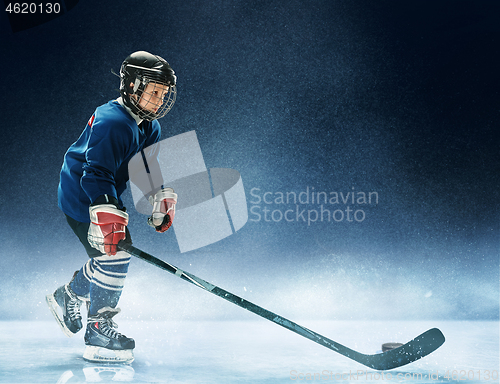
x=137, y=71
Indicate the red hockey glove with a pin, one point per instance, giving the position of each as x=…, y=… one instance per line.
x=163, y=203
x=107, y=227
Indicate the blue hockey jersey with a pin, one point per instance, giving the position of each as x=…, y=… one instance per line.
x=97, y=163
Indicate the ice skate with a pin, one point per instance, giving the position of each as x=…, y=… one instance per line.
x=104, y=344
x=68, y=302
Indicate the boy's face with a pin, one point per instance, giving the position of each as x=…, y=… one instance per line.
x=152, y=97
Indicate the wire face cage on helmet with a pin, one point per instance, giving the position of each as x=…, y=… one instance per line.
x=148, y=85
x=150, y=109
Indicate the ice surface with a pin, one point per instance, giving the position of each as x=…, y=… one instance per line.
x=245, y=352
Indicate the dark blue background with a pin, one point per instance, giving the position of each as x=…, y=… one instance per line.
x=395, y=97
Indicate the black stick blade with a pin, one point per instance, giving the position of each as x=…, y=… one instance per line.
x=415, y=349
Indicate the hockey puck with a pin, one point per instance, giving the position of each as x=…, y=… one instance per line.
x=388, y=346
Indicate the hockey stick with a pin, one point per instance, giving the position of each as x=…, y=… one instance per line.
x=415, y=349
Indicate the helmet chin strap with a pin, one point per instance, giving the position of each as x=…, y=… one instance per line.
x=136, y=117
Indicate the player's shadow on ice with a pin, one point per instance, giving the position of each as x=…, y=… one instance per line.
x=101, y=373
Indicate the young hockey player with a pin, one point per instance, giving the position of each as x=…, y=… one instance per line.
x=93, y=176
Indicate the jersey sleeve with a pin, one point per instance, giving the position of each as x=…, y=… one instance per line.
x=106, y=150
x=155, y=135
x=152, y=181
x=154, y=157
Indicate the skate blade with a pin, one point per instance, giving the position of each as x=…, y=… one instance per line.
x=108, y=356
x=53, y=306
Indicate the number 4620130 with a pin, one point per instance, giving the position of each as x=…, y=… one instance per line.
x=33, y=8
